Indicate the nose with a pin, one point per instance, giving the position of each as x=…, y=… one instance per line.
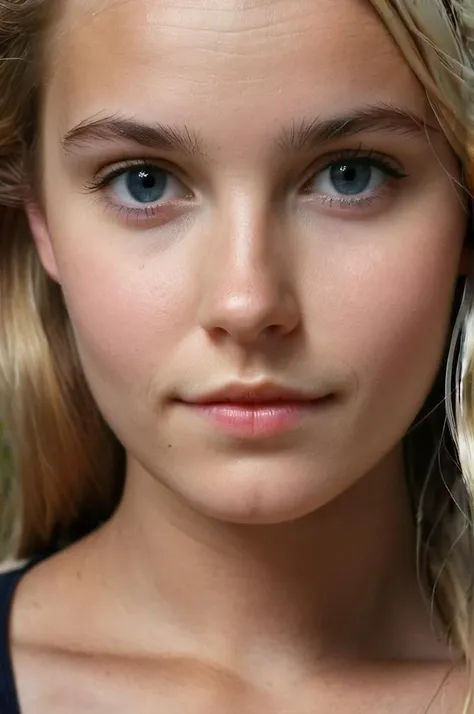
x=247, y=291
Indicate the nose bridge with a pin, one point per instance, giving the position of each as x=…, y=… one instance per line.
x=248, y=286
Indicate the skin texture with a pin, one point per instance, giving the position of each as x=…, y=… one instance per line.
x=251, y=570
x=324, y=300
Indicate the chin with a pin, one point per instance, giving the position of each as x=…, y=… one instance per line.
x=267, y=498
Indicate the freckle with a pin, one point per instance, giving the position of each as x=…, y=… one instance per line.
x=169, y=446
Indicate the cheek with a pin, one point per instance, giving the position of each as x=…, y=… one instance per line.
x=127, y=314
x=391, y=319
x=400, y=337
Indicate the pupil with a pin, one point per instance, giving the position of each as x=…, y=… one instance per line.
x=146, y=185
x=351, y=178
x=148, y=180
x=349, y=173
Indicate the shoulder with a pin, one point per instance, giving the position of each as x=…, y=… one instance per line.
x=38, y=612
x=12, y=576
x=12, y=573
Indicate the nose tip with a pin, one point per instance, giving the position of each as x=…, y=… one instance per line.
x=252, y=293
x=246, y=315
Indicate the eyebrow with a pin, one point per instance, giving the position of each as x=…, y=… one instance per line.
x=154, y=136
x=307, y=134
x=299, y=136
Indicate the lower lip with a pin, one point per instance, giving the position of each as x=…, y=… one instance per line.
x=254, y=421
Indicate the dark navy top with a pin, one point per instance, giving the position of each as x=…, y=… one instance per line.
x=8, y=582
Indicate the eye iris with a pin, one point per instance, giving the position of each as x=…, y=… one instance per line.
x=146, y=185
x=351, y=177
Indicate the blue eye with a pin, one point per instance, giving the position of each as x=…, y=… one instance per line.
x=141, y=185
x=146, y=184
x=353, y=177
x=348, y=178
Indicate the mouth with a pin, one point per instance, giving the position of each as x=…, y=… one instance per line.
x=253, y=412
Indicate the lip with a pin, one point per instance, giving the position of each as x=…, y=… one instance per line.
x=253, y=394
x=255, y=411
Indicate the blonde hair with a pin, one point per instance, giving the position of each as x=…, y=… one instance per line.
x=436, y=38
x=62, y=468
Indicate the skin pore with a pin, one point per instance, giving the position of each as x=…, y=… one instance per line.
x=261, y=573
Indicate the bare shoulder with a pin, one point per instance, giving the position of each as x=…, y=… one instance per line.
x=49, y=600
x=63, y=662
x=60, y=666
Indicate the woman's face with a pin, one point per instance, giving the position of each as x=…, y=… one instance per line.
x=251, y=196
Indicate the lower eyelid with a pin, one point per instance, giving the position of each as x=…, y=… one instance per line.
x=381, y=194
x=351, y=202
x=151, y=216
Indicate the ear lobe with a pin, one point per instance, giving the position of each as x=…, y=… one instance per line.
x=41, y=238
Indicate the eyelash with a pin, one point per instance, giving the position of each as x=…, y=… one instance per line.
x=129, y=213
x=372, y=158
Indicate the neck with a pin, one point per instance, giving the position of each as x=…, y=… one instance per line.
x=339, y=583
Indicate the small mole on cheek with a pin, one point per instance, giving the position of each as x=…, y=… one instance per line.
x=169, y=446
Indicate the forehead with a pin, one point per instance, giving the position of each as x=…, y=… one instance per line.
x=212, y=61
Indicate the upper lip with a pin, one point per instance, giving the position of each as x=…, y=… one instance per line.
x=266, y=392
